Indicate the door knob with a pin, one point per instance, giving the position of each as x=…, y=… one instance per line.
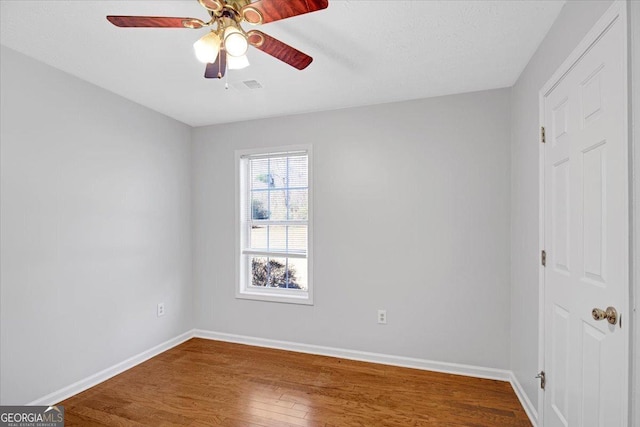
x=610, y=314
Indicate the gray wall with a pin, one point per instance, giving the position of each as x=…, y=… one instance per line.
x=411, y=215
x=573, y=23
x=95, y=229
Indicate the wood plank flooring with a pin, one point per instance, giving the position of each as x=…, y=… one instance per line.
x=212, y=383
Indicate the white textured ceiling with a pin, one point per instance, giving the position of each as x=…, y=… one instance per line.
x=365, y=52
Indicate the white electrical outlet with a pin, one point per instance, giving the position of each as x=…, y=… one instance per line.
x=382, y=317
x=160, y=309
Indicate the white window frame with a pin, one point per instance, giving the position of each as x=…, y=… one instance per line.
x=243, y=290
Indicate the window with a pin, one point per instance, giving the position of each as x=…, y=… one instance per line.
x=274, y=225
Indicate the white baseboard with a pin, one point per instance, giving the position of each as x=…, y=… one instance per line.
x=105, y=374
x=529, y=409
x=385, y=359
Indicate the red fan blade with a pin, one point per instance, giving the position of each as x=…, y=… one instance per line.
x=155, y=21
x=278, y=49
x=263, y=11
x=215, y=70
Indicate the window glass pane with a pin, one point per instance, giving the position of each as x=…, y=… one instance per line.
x=297, y=270
x=258, y=238
x=298, y=204
x=298, y=171
x=278, y=238
x=297, y=238
x=288, y=205
x=278, y=171
x=278, y=272
x=271, y=197
x=278, y=205
x=260, y=205
x=259, y=173
x=259, y=271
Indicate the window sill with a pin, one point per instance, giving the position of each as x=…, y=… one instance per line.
x=303, y=298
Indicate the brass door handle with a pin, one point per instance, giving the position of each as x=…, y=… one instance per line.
x=610, y=314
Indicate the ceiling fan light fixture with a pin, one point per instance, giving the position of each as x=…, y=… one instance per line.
x=227, y=38
x=237, y=62
x=252, y=15
x=207, y=48
x=235, y=42
x=212, y=5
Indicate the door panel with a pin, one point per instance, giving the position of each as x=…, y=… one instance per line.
x=560, y=216
x=560, y=361
x=586, y=216
x=594, y=212
x=592, y=339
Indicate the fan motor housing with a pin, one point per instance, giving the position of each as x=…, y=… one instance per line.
x=230, y=7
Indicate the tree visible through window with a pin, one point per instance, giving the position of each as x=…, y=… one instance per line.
x=273, y=273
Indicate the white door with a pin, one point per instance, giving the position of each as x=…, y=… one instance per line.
x=586, y=234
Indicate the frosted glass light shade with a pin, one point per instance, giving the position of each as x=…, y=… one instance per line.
x=237, y=62
x=235, y=43
x=207, y=48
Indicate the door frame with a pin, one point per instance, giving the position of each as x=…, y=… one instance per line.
x=616, y=12
x=634, y=73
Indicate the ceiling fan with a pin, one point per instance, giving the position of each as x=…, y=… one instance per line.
x=225, y=46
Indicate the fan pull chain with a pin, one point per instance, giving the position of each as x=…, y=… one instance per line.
x=226, y=81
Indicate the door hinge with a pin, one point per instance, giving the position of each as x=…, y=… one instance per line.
x=543, y=258
x=543, y=379
x=543, y=137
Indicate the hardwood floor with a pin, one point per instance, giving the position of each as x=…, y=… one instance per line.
x=212, y=383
